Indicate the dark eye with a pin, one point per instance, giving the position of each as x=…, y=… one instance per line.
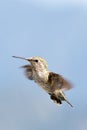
x=36, y=60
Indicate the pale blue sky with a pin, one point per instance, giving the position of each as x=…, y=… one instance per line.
x=56, y=31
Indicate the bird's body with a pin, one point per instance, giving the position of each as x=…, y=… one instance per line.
x=51, y=82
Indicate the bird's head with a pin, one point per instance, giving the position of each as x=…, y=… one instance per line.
x=37, y=62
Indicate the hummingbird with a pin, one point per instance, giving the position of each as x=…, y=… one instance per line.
x=54, y=84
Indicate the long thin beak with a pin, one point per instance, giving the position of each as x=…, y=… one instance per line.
x=21, y=58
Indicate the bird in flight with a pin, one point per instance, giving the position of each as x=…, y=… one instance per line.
x=54, y=84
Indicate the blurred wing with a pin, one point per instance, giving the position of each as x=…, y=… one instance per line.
x=57, y=81
x=66, y=84
x=28, y=71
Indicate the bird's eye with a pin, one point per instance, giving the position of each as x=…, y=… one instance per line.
x=36, y=60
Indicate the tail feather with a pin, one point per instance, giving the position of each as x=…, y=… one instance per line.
x=68, y=102
x=59, y=98
x=62, y=96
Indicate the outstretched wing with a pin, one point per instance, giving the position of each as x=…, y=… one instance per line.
x=28, y=71
x=57, y=81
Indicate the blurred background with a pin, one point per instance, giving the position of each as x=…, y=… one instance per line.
x=57, y=31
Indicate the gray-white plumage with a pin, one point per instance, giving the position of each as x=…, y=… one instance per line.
x=52, y=83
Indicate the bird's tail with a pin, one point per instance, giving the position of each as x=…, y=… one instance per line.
x=59, y=98
x=62, y=97
x=68, y=102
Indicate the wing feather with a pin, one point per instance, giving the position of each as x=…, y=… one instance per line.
x=57, y=81
x=28, y=71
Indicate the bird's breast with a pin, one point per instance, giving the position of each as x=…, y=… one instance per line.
x=40, y=76
x=42, y=80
